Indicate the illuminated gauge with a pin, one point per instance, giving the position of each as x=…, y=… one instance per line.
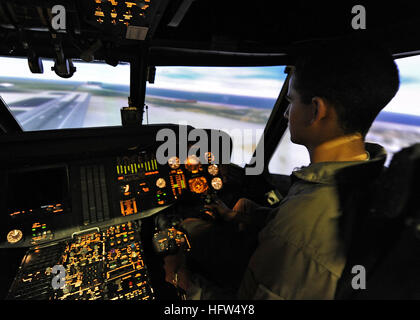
x=173, y=162
x=192, y=163
x=161, y=183
x=198, y=185
x=114, y=254
x=213, y=169
x=217, y=183
x=14, y=236
x=209, y=156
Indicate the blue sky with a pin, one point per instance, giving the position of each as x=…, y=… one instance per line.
x=247, y=81
x=255, y=81
x=250, y=81
x=409, y=72
x=196, y=73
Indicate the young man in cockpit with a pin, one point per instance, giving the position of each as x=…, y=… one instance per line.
x=335, y=93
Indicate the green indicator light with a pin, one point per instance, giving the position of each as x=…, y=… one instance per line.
x=164, y=194
x=33, y=229
x=33, y=235
x=175, y=186
x=43, y=227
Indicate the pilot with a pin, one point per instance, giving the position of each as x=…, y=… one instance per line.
x=295, y=251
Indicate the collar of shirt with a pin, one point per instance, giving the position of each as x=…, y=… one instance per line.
x=324, y=172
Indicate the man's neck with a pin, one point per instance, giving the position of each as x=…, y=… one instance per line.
x=344, y=148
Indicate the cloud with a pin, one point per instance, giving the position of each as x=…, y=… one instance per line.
x=247, y=81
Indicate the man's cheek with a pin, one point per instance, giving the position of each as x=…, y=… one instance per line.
x=292, y=133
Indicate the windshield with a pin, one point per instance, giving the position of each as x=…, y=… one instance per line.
x=237, y=100
x=91, y=98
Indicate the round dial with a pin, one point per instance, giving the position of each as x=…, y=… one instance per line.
x=173, y=162
x=161, y=183
x=213, y=169
x=198, y=185
x=14, y=236
x=210, y=157
x=192, y=163
x=217, y=183
x=125, y=188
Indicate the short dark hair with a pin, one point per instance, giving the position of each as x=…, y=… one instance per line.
x=358, y=77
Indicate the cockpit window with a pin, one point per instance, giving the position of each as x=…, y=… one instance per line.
x=237, y=100
x=396, y=127
x=91, y=98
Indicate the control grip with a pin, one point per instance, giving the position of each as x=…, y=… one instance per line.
x=170, y=241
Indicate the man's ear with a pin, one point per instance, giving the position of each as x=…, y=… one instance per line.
x=319, y=109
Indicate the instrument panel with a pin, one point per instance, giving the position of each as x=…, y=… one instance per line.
x=67, y=203
x=106, y=264
x=143, y=183
x=101, y=262
x=51, y=202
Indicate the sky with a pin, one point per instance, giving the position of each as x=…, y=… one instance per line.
x=249, y=81
x=246, y=81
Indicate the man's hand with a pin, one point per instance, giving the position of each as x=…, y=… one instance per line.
x=224, y=211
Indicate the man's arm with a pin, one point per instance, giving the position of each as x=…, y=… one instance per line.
x=245, y=212
x=299, y=255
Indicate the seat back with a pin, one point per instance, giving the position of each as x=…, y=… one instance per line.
x=381, y=229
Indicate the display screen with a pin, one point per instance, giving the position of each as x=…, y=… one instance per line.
x=38, y=191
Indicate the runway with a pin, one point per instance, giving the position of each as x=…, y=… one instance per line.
x=55, y=110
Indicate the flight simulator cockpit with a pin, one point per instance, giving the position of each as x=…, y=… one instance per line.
x=93, y=194
x=89, y=214
x=99, y=205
